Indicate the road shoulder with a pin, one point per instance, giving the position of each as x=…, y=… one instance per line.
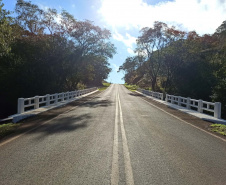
x=197, y=122
x=34, y=122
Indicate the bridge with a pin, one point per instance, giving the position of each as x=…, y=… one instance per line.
x=115, y=137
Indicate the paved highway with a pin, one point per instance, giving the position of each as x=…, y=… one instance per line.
x=115, y=138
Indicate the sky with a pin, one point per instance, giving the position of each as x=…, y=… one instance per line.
x=125, y=18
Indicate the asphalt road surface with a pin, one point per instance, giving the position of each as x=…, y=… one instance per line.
x=115, y=138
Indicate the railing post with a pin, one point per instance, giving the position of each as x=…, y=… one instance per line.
x=179, y=100
x=67, y=96
x=166, y=98
x=200, y=104
x=47, y=100
x=36, y=102
x=217, y=110
x=56, y=98
x=188, y=103
x=62, y=96
x=162, y=96
x=20, y=106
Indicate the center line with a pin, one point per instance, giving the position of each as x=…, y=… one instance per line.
x=127, y=162
x=115, y=167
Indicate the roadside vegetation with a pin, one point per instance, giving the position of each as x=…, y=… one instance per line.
x=131, y=87
x=8, y=128
x=43, y=51
x=180, y=63
x=104, y=86
x=219, y=128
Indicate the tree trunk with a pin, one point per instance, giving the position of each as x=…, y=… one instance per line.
x=153, y=83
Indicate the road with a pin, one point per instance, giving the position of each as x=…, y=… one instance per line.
x=115, y=138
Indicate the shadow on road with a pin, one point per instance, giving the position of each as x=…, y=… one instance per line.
x=135, y=94
x=97, y=103
x=62, y=125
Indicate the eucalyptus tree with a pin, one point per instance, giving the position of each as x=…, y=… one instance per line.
x=29, y=16
x=89, y=43
x=134, y=68
x=151, y=43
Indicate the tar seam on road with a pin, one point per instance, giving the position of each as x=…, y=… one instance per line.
x=9, y=140
x=115, y=166
x=185, y=121
x=127, y=162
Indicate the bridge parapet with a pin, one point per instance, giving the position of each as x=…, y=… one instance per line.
x=196, y=105
x=151, y=93
x=213, y=109
x=28, y=104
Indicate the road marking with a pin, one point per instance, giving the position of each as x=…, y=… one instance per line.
x=127, y=162
x=115, y=166
x=184, y=121
x=15, y=137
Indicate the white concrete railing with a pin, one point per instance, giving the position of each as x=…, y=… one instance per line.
x=200, y=105
x=43, y=101
x=151, y=93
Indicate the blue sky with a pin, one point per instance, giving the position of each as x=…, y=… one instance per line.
x=124, y=18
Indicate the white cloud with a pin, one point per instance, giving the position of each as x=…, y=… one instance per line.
x=128, y=40
x=130, y=51
x=43, y=7
x=115, y=67
x=204, y=16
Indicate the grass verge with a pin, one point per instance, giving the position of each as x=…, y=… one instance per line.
x=131, y=87
x=105, y=86
x=219, y=128
x=8, y=128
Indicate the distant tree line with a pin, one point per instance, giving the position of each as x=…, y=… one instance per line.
x=180, y=63
x=43, y=52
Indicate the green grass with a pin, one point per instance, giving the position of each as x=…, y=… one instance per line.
x=8, y=128
x=131, y=87
x=105, y=86
x=219, y=128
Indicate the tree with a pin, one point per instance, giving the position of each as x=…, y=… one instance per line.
x=130, y=67
x=151, y=44
x=220, y=60
x=29, y=17
x=6, y=35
